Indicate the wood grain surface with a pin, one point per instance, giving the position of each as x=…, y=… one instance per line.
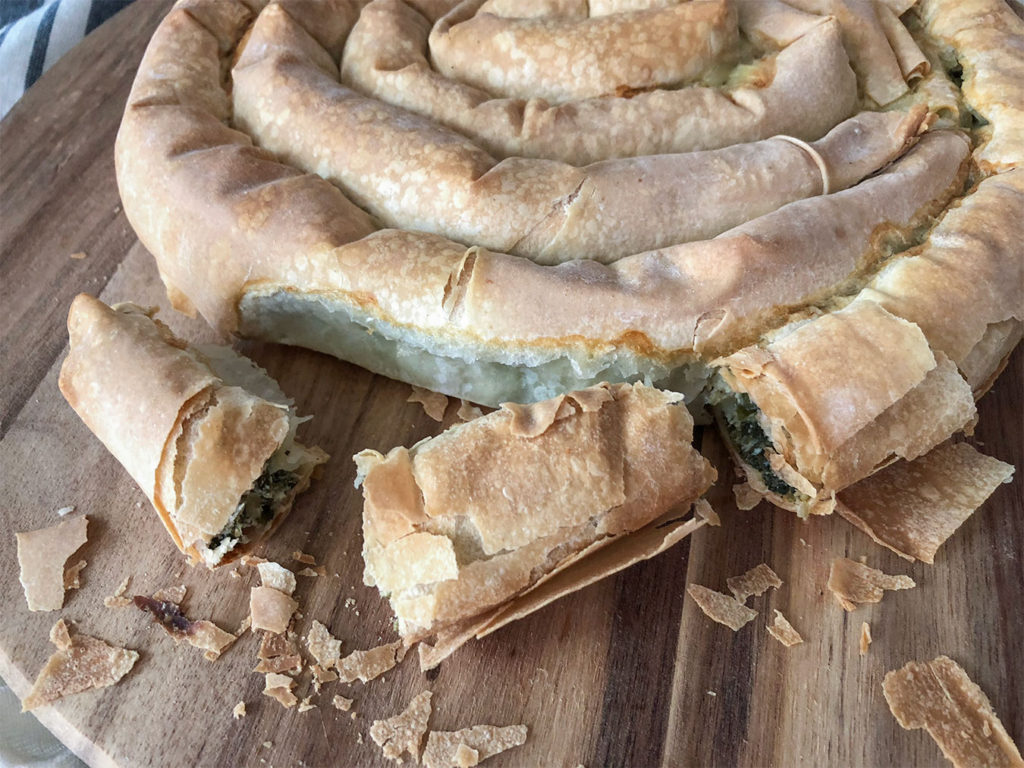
x=625, y=672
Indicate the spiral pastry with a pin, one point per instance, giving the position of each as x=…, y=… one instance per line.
x=506, y=201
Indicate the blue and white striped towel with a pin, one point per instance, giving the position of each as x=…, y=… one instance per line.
x=35, y=33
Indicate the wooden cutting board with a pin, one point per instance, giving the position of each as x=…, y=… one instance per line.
x=625, y=672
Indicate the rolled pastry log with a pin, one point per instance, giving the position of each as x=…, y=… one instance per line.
x=964, y=287
x=831, y=400
x=464, y=524
x=206, y=434
x=802, y=91
x=985, y=39
x=565, y=59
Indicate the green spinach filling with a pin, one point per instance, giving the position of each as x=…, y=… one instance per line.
x=258, y=505
x=739, y=414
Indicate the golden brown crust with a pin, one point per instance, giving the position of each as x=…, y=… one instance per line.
x=488, y=509
x=976, y=247
x=843, y=394
x=987, y=38
x=202, y=443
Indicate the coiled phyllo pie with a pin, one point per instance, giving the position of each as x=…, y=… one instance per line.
x=806, y=214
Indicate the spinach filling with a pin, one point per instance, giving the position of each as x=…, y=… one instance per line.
x=257, y=505
x=739, y=414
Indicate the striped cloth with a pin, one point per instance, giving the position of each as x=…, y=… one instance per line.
x=35, y=33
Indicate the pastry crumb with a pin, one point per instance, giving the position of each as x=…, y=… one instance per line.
x=486, y=740
x=467, y=411
x=71, y=575
x=201, y=634
x=171, y=594
x=80, y=663
x=323, y=646
x=721, y=608
x=41, y=556
x=276, y=576
x=854, y=584
x=270, y=609
x=279, y=687
x=302, y=557
x=783, y=631
x=368, y=665
x=754, y=582
x=705, y=511
x=865, y=638
x=239, y=711
x=403, y=732
x=118, y=599
x=434, y=403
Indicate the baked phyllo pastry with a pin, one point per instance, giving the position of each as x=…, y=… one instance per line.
x=207, y=435
x=498, y=516
x=828, y=401
x=964, y=286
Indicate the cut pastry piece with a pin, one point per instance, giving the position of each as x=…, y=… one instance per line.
x=829, y=401
x=216, y=452
x=80, y=663
x=475, y=745
x=912, y=507
x=854, y=584
x=469, y=521
x=41, y=558
x=404, y=732
x=938, y=696
x=975, y=247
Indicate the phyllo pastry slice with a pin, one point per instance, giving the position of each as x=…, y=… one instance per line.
x=485, y=522
x=207, y=435
x=828, y=401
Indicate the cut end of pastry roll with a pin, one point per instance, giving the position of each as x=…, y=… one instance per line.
x=829, y=401
x=207, y=434
x=460, y=527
